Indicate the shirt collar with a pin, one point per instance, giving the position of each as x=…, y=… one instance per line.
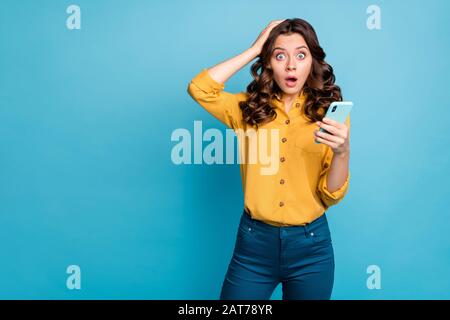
x=297, y=104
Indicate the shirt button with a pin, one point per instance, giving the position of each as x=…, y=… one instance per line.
x=281, y=203
x=326, y=165
x=297, y=104
x=282, y=159
x=287, y=121
x=283, y=140
x=282, y=181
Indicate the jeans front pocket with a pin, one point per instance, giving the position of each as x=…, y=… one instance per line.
x=319, y=232
x=245, y=228
x=321, y=237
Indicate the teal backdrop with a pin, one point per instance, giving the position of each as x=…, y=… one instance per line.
x=86, y=118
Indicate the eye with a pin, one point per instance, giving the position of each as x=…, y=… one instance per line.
x=301, y=55
x=278, y=55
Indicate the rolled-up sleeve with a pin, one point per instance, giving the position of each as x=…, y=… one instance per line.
x=331, y=198
x=211, y=96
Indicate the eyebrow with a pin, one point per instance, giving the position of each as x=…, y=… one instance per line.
x=285, y=49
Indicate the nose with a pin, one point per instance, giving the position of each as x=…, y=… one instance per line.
x=291, y=65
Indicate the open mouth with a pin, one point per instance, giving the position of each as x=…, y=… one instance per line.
x=290, y=81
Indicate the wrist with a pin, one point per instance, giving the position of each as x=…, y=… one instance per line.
x=343, y=154
x=254, y=52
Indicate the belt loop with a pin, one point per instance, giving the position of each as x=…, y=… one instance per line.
x=248, y=213
x=306, y=229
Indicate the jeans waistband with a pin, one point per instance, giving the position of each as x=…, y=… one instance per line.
x=319, y=223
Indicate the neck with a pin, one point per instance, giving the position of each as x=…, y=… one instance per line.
x=288, y=98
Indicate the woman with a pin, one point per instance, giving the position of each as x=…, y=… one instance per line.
x=283, y=234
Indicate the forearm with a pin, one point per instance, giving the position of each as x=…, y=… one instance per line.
x=338, y=171
x=224, y=70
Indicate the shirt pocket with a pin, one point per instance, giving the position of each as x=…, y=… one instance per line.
x=304, y=142
x=309, y=159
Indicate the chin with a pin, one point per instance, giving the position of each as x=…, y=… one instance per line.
x=290, y=90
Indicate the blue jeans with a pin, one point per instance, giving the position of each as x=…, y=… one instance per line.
x=300, y=257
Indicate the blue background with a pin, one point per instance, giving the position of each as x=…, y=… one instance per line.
x=86, y=176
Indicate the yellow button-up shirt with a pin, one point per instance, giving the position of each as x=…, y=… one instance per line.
x=293, y=191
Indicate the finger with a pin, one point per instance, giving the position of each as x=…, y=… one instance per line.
x=332, y=138
x=328, y=127
x=328, y=143
x=274, y=23
x=333, y=123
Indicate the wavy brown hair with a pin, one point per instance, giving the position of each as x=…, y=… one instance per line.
x=319, y=88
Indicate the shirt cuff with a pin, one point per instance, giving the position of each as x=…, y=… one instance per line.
x=337, y=195
x=206, y=83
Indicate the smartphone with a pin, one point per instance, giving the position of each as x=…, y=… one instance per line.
x=337, y=111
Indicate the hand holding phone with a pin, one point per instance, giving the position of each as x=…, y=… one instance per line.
x=337, y=111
